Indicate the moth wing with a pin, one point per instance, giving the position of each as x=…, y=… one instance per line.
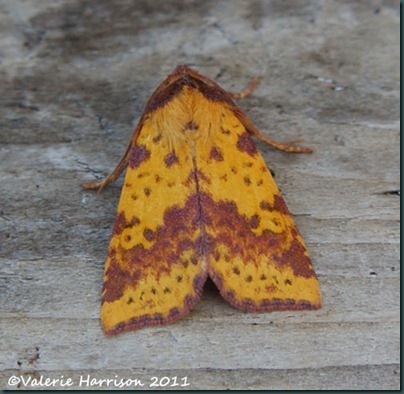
x=153, y=274
x=258, y=260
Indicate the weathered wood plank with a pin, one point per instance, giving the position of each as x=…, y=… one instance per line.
x=281, y=345
x=366, y=377
x=75, y=76
x=73, y=290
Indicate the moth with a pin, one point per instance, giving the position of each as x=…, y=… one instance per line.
x=198, y=201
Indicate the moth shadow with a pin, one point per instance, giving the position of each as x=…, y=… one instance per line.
x=211, y=296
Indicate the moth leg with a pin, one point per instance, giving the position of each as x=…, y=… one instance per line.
x=293, y=141
x=284, y=146
x=123, y=163
x=248, y=90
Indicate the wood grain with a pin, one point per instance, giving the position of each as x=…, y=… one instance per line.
x=75, y=76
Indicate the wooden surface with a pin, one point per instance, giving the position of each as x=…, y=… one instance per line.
x=74, y=77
